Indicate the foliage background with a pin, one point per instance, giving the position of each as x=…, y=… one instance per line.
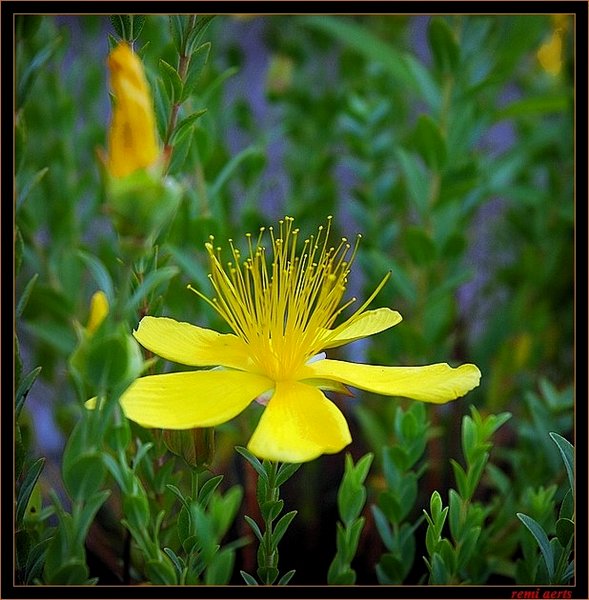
x=442, y=140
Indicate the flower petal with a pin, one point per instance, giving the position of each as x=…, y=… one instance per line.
x=298, y=425
x=191, y=345
x=437, y=383
x=191, y=399
x=368, y=323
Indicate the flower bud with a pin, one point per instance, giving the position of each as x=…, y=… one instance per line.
x=140, y=200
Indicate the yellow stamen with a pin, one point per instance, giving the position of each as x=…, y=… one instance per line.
x=283, y=309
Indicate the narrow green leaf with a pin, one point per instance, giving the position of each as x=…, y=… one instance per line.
x=23, y=389
x=177, y=26
x=26, y=488
x=532, y=107
x=565, y=529
x=198, y=60
x=286, y=577
x=99, y=272
x=282, y=526
x=542, y=540
x=567, y=452
x=286, y=471
x=429, y=141
x=254, y=527
x=184, y=126
x=122, y=25
x=172, y=81
x=178, y=563
x=383, y=527
x=87, y=515
x=29, y=186
x=208, y=489
x=25, y=295
x=443, y=44
x=248, y=578
x=253, y=461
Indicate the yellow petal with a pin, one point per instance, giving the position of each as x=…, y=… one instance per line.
x=437, y=383
x=191, y=345
x=191, y=399
x=368, y=323
x=132, y=143
x=299, y=424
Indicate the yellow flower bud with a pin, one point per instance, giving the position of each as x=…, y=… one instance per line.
x=132, y=138
x=98, y=311
x=550, y=54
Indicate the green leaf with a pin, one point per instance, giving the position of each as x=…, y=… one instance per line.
x=443, y=44
x=254, y=527
x=83, y=474
x=172, y=81
x=99, y=272
x=184, y=126
x=178, y=562
x=383, y=527
x=271, y=509
x=253, y=461
x=23, y=389
x=281, y=527
x=161, y=572
x=177, y=27
x=86, y=516
x=136, y=510
x=567, y=506
x=429, y=141
x=208, y=489
x=567, y=452
x=534, y=107
x=440, y=574
x=248, y=578
x=122, y=25
x=196, y=33
x=26, y=79
x=26, y=489
x=198, y=60
x=29, y=186
x=542, y=540
x=286, y=471
x=565, y=529
x=220, y=568
x=286, y=577
x=73, y=572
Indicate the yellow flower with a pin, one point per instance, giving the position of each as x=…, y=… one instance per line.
x=132, y=138
x=282, y=313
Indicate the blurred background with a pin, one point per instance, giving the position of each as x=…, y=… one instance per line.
x=446, y=141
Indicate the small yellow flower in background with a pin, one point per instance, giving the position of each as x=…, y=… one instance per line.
x=132, y=141
x=98, y=311
x=282, y=311
x=550, y=53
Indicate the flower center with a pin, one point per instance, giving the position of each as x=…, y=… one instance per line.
x=282, y=307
